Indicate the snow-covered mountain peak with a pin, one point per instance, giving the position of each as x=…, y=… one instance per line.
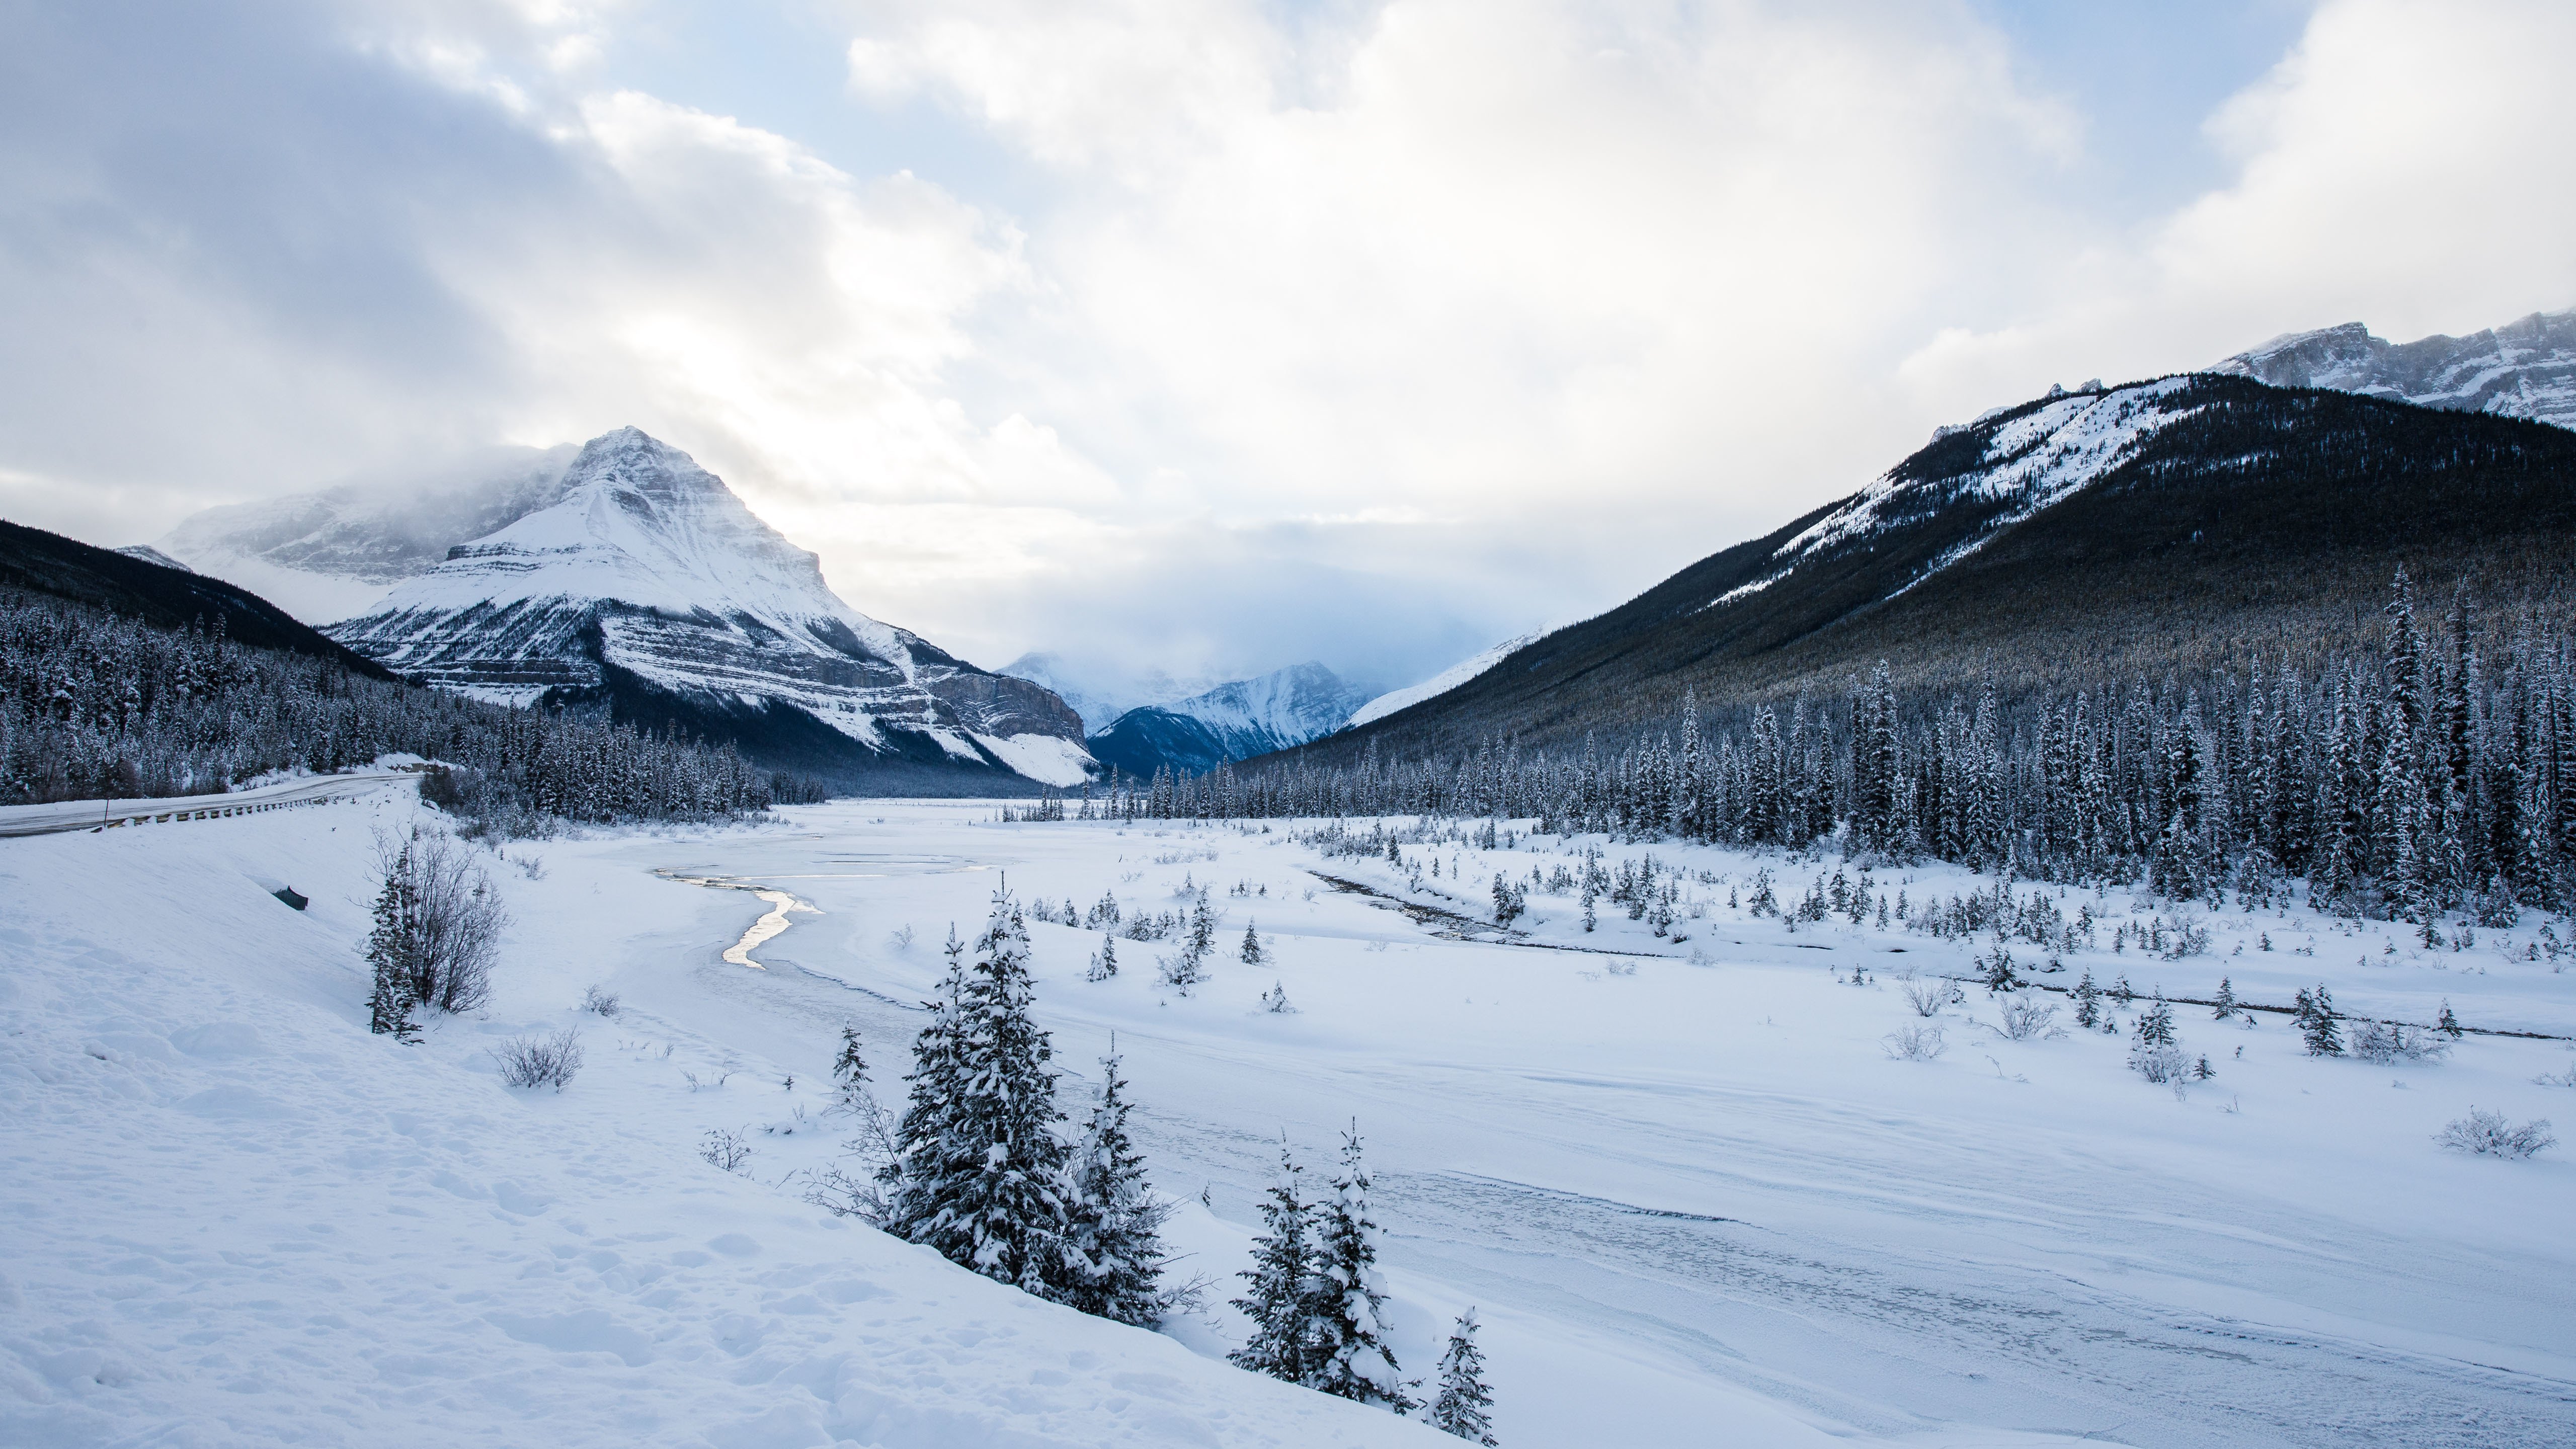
x=646, y=576
x=637, y=521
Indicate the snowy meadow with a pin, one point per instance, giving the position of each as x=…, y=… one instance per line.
x=1769, y=1151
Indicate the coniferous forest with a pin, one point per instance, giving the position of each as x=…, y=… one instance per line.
x=2437, y=774
x=96, y=705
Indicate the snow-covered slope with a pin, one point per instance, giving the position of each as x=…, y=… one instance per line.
x=645, y=571
x=151, y=555
x=332, y=554
x=2524, y=369
x=2007, y=468
x=229, y=1215
x=1438, y=684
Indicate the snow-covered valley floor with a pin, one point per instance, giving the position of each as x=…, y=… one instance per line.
x=1691, y=1194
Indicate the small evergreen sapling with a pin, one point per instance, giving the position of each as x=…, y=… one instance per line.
x=1116, y=1221
x=1283, y=1259
x=1464, y=1405
x=2088, y=1002
x=2448, y=1025
x=850, y=1072
x=2152, y=1053
x=1252, y=953
x=1346, y=1309
x=390, y=953
x=2316, y=1018
x=2225, y=1006
x=1104, y=962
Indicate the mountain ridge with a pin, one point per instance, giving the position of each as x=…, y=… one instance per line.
x=2523, y=369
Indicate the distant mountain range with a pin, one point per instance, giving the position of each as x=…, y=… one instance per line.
x=1236, y=721
x=1101, y=693
x=2524, y=369
x=621, y=578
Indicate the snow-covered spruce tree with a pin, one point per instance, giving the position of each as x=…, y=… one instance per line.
x=1252, y=953
x=1283, y=1261
x=390, y=948
x=2317, y=1029
x=980, y=1174
x=1116, y=1224
x=2448, y=1025
x=2155, y=1024
x=1463, y=1406
x=2224, y=1007
x=2088, y=1001
x=1346, y=1311
x=1104, y=962
x=2152, y=1052
x=850, y=1071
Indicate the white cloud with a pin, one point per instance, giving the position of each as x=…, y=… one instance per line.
x=1365, y=331
x=2393, y=169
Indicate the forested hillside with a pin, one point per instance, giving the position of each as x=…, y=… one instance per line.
x=2177, y=530
x=93, y=704
x=2435, y=774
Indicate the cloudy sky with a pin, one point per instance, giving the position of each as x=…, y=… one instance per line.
x=1215, y=335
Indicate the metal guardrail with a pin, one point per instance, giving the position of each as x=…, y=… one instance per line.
x=62, y=817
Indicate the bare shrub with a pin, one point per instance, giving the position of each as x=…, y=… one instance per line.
x=599, y=1003
x=439, y=918
x=851, y=1187
x=1928, y=998
x=901, y=937
x=2024, y=1020
x=726, y=1149
x=2159, y=1064
x=528, y=1061
x=1916, y=1043
x=2385, y=1043
x=2487, y=1134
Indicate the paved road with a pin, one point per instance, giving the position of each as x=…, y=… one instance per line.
x=126, y=814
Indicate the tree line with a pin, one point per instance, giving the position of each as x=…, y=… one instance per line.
x=980, y=1167
x=96, y=705
x=2437, y=773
